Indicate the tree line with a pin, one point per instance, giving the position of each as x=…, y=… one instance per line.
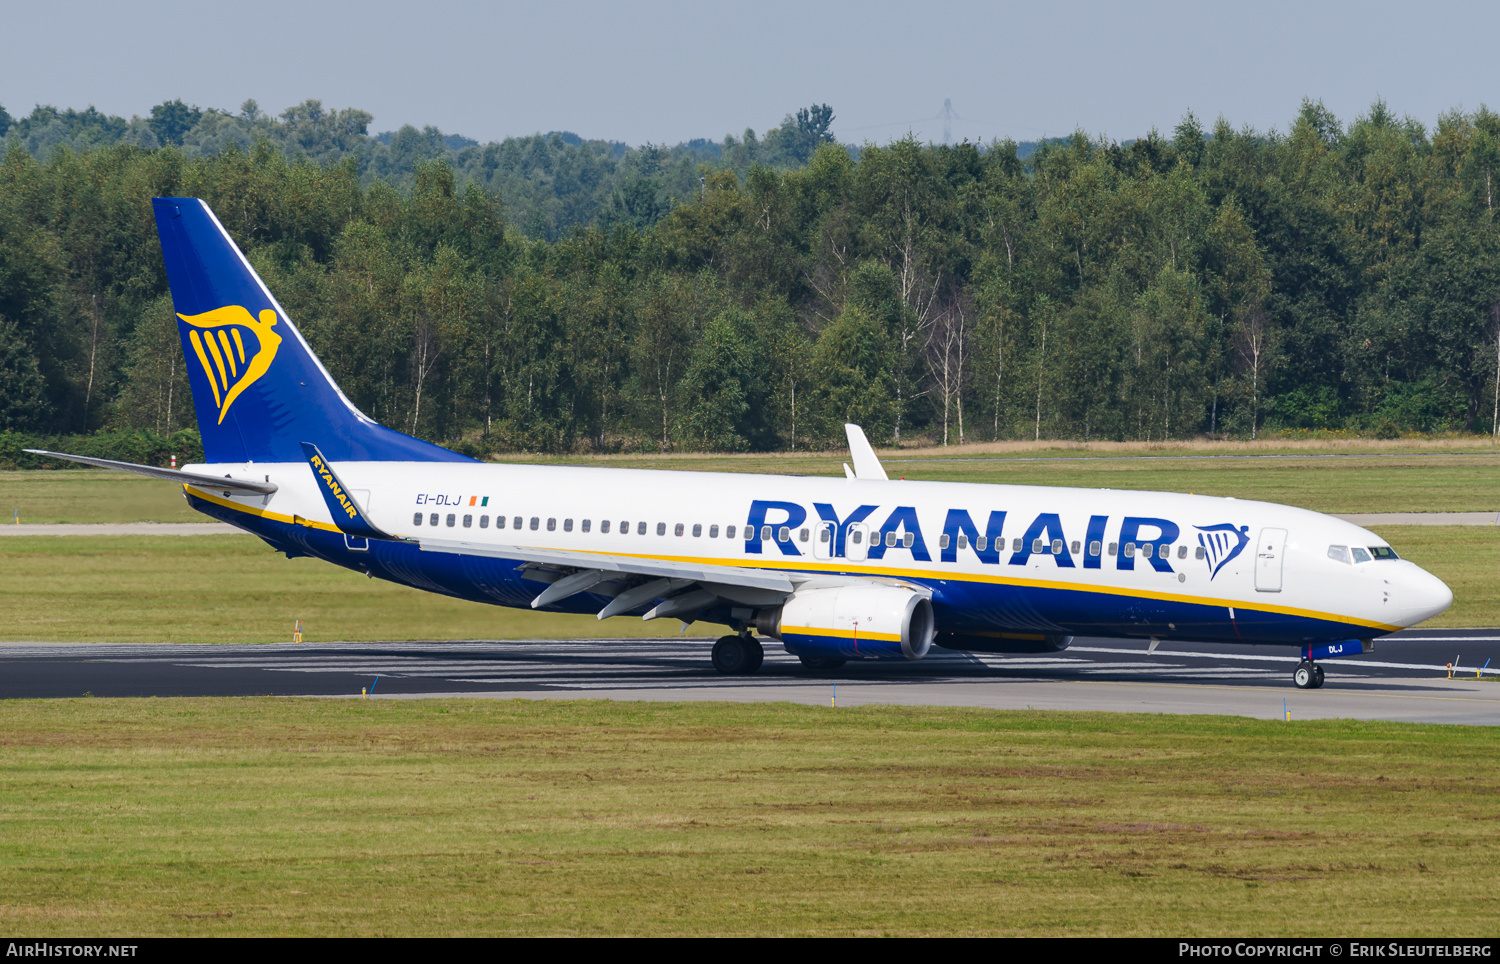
x=1215, y=281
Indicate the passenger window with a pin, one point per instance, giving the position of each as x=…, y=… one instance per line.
x=1360, y=555
x=890, y=540
x=697, y=530
x=640, y=528
x=765, y=533
x=713, y=532
x=661, y=528
x=535, y=523
x=859, y=536
x=1129, y=550
x=1146, y=551
x=982, y=543
x=567, y=525
x=499, y=522
x=1015, y=546
x=943, y=541
x=1182, y=551
x=585, y=525
x=785, y=535
x=729, y=532
x=1113, y=547
x=1036, y=545
x=451, y=520
x=804, y=535
x=604, y=527
x=963, y=541
x=1200, y=553
x=678, y=530
x=551, y=525
x=468, y=522
x=1094, y=548
x=516, y=522
x=1057, y=547
x=824, y=535
x=432, y=519
x=1075, y=547
x=484, y=522
x=416, y=519
x=909, y=539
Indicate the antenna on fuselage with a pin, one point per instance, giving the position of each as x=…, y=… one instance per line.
x=866, y=465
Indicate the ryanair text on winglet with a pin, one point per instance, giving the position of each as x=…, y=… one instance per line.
x=326, y=474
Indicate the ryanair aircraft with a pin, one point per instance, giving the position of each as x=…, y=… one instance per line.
x=836, y=569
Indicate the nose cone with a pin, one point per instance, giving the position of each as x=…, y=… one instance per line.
x=1422, y=596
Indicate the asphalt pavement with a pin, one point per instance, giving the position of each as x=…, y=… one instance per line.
x=1406, y=678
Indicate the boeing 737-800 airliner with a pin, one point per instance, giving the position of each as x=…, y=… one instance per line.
x=836, y=569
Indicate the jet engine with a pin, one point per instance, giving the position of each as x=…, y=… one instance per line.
x=852, y=622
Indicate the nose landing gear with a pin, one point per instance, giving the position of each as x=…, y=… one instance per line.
x=1308, y=675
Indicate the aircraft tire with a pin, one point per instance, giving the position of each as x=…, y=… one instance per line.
x=730, y=655
x=755, y=653
x=814, y=663
x=1317, y=677
x=1303, y=676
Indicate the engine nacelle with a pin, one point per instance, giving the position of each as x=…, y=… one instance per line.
x=852, y=622
x=1005, y=642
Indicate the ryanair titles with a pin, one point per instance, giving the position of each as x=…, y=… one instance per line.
x=862, y=533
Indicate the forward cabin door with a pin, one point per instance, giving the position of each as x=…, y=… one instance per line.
x=1268, y=557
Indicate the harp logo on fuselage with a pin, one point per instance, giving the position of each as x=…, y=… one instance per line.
x=234, y=348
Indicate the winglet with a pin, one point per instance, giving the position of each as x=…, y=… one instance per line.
x=866, y=465
x=346, y=513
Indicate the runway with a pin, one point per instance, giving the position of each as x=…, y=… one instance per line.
x=1404, y=680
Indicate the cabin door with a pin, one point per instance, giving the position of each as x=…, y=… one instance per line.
x=823, y=541
x=857, y=541
x=1269, y=551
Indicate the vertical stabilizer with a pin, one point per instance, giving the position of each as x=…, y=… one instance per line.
x=258, y=389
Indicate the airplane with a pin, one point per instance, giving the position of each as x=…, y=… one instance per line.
x=836, y=569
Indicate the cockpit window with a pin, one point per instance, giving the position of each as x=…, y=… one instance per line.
x=1360, y=555
x=1383, y=552
x=1341, y=553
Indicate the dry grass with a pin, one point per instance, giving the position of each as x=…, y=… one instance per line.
x=287, y=817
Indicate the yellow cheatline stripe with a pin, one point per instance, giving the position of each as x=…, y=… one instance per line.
x=239, y=344
x=840, y=633
x=208, y=371
x=224, y=340
x=213, y=349
x=261, y=513
x=892, y=573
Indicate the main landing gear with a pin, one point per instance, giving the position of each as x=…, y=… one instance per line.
x=738, y=655
x=1308, y=675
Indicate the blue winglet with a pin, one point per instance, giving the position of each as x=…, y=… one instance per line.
x=347, y=514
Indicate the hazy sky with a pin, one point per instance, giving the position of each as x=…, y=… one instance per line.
x=667, y=72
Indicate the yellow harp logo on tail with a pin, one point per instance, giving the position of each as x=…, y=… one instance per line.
x=218, y=339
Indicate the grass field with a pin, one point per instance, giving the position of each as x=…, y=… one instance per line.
x=232, y=589
x=405, y=818
x=1406, y=476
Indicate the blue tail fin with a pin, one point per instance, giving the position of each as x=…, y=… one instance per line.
x=258, y=389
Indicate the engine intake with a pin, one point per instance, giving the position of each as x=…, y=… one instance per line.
x=852, y=622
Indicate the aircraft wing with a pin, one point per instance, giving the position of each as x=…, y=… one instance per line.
x=679, y=588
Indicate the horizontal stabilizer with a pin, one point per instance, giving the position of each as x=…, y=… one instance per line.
x=172, y=475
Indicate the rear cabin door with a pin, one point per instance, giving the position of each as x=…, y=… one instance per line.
x=1268, y=557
